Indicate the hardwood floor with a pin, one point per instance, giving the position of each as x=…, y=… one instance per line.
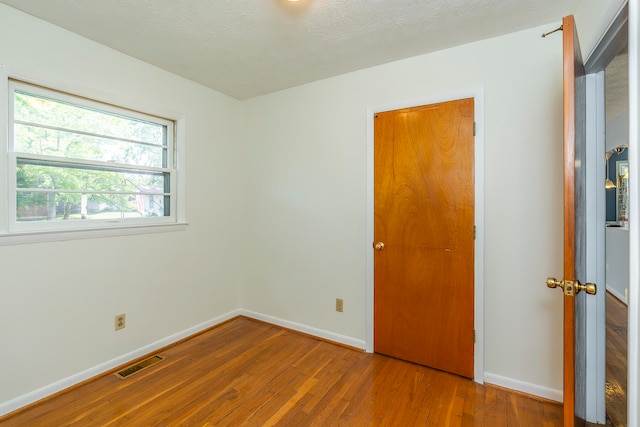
x=616, y=393
x=246, y=372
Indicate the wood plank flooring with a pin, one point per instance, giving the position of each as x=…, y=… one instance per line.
x=249, y=373
x=616, y=396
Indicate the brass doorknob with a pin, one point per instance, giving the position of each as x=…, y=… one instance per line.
x=552, y=282
x=589, y=288
x=378, y=246
x=571, y=287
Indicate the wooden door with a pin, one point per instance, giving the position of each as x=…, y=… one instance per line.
x=424, y=235
x=574, y=225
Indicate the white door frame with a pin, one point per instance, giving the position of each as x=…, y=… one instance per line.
x=478, y=96
x=633, y=382
x=595, y=251
x=599, y=58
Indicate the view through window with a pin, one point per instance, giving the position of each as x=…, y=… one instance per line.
x=81, y=163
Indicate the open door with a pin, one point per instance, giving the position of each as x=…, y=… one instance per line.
x=574, y=385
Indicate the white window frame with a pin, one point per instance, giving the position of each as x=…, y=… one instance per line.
x=14, y=232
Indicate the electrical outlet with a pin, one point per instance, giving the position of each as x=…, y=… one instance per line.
x=339, y=304
x=120, y=321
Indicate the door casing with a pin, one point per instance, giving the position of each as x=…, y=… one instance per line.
x=614, y=38
x=478, y=95
x=633, y=383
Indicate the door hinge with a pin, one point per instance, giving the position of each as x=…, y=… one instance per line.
x=474, y=128
x=474, y=336
x=474, y=232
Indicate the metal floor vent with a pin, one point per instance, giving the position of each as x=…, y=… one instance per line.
x=130, y=370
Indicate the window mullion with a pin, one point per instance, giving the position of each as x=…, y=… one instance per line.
x=61, y=190
x=91, y=134
x=88, y=164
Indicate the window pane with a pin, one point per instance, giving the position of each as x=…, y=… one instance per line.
x=54, y=142
x=39, y=110
x=30, y=174
x=59, y=206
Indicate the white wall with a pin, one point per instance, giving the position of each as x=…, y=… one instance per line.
x=305, y=234
x=617, y=133
x=58, y=300
x=617, y=262
x=592, y=20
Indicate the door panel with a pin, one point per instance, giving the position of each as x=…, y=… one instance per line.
x=574, y=225
x=423, y=214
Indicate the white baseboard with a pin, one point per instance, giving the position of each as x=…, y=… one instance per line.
x=320, y=333
x=48, y=390
x=615, y=293
x=521, y=386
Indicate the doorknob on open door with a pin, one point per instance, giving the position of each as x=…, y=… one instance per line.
x=552, y=282
x=378, y=246
x=589, y=288
x=572, y=287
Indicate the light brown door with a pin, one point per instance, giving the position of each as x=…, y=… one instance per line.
x=574, y=226
x=424, y=235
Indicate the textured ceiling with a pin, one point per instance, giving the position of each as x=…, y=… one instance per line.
x=246, y=48
x=617, y=86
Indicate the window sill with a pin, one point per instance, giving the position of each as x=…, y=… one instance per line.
x=8, y=239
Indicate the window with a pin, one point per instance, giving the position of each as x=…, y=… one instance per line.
x=76, y=163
